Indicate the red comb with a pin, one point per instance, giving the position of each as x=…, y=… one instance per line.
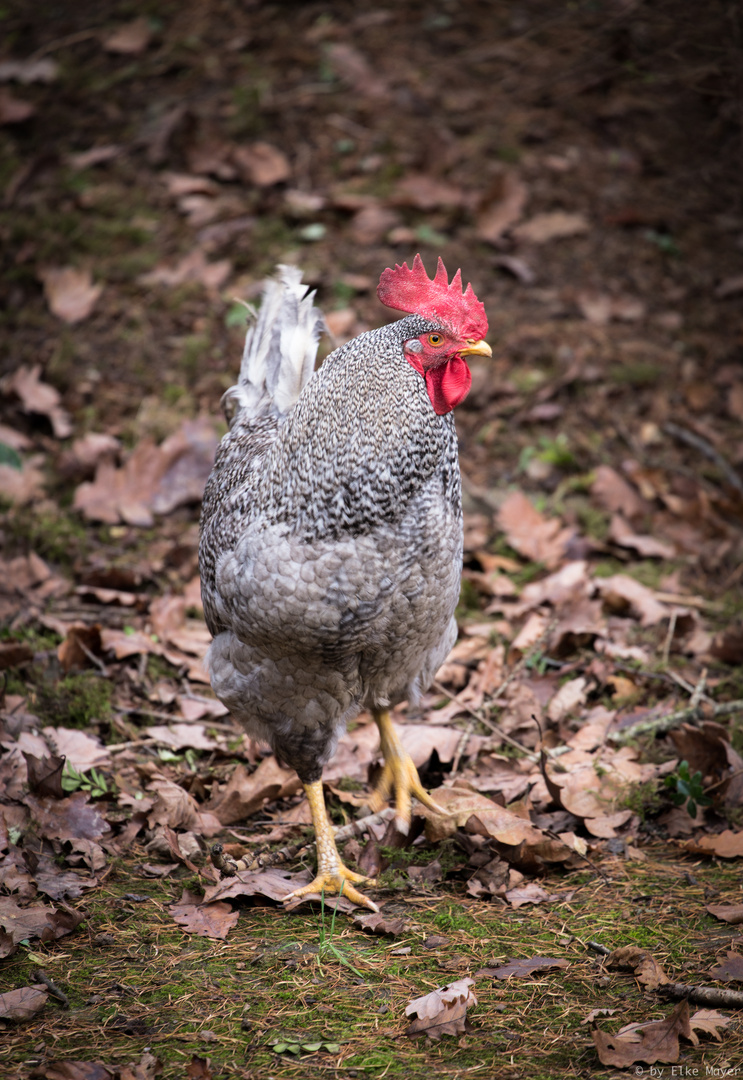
x=413, y=291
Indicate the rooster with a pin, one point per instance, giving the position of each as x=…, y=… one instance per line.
x=331, y=530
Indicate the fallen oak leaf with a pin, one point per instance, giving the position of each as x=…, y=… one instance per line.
x=534, y=536
x=522, y=969
x=212, y=920
x=652, y=1042
x=731, y=968
x=708, y=1021
x=443, y=1011
x=726, y=845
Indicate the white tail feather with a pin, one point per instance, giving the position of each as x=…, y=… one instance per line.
x=280, y=349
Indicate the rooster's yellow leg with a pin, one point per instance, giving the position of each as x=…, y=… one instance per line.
x=399, y=775
x=331, y=873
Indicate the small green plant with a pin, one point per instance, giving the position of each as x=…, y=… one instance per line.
x=327, y=946
x=686, y=789
x=555, y=452
x=95, y=782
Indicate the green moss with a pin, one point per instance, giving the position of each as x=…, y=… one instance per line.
x=637, y=373
x=74, y=701
x=55, y=536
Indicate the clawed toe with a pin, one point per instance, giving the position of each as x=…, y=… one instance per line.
x=341, y=883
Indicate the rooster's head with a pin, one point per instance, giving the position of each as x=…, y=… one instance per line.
x=457, y=328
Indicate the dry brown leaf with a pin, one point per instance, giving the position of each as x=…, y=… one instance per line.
x=727, y=645
x=351, y=66
x=377, y=923
x=130, y=39
x=32, y=70
x=272, y=882
x=36, y=396
x=173, y=807
x=731, y=968
x=498, y=218
x=443, y=1011
x=192, y=267
x=262, y=164
x=612, y=492
x=568, y=699
x=709, y=1021
x=648, y=547
x=729, y=913
x=496, y=821
x=725, y=845
x=211, y=920
x=426, y=192
x=181, y=736
x=80, y=643
x=372, y=223
x=652, y=1042
x=531, y=893
x=22, y=1004
x=153, y=480
x=247, y=792
x=551, y=226
x=645, y=967
x=14, y=110
x=81, y=750
x=622, y=594
x=600, y=308
x=24, y=485
x=70, y=293
x=522, y=969
x=535, y=537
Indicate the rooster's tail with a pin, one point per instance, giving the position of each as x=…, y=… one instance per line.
x=280, y=349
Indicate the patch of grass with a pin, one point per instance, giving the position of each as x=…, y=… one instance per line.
x=57, y=537
x=74, y=701
x=637, y=373
x=135, y=980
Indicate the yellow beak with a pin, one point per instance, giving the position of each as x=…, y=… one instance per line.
x=476, y=348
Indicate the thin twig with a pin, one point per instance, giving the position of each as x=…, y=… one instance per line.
x=41, y=976
x=174, y=719
x=704, y=446
x=696, y=697
x=660, y=724
x=703, y=995
x=492, y=700
x=262, y=859
x=669, y=637
x=484, y=720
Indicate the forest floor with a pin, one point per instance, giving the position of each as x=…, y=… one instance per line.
x=582, y=164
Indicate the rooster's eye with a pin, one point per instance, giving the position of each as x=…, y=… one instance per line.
x=435, y=339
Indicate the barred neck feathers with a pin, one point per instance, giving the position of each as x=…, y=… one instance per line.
x=362, y=440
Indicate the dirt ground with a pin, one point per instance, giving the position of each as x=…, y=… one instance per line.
x=582, y=163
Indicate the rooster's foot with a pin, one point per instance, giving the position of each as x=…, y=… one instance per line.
x=338, y=880
x=400, y=776
x=332, y=875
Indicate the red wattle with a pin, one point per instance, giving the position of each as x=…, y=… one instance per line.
x=447, y=385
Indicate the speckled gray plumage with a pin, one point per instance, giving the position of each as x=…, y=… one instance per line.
x=331, y=549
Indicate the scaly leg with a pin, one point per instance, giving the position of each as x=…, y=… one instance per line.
x=399, y=775
x=331, y=873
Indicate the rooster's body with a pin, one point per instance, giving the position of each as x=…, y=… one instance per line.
x=331, y=546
